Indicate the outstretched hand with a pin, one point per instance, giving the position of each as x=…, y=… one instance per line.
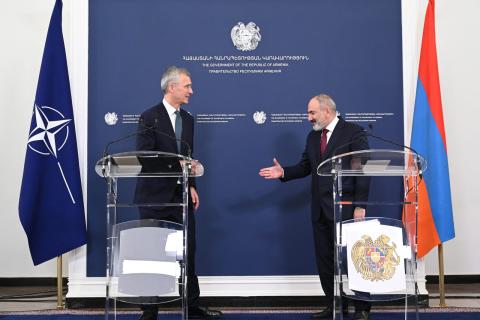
x=273, y=172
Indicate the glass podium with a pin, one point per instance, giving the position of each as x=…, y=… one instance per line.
x=375, y=257
x=146, y=258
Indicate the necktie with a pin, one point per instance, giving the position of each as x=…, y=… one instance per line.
x=178, y=130
x=323, y=141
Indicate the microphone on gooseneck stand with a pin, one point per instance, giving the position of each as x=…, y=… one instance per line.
x=364, y=133
x=370, y=126
x=106, y=157
x=145, y=128
x=417, y=155
x=157, y=130
x=359, y=136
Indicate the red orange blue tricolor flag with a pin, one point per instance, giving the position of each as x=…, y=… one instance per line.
x=435, y=216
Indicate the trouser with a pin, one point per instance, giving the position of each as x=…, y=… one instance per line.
x=324, y=253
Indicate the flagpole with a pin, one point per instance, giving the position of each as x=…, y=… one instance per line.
x=441, y=276
x=59, y=283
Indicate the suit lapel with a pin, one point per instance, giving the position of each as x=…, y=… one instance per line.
x=165, y=125
x=164, y=120
x=316, y=145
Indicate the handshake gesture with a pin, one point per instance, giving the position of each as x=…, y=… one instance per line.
x=273, y=172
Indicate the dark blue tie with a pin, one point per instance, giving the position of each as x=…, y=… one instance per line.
x=178, y=130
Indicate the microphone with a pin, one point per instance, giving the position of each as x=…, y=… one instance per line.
x=370, y=126
x=417, y=158
x=105, y=150
x=359, y=136
x=185, y=143
x=364, y=133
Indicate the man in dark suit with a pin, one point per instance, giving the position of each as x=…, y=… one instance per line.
x=330, y=135
x=171, y=130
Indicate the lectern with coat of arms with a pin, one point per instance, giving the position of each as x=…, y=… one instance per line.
x=375, y=257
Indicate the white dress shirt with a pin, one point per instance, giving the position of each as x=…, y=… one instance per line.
x=331, y=126
x=171, y=112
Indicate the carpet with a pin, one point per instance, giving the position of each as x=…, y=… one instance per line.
x=233, y=315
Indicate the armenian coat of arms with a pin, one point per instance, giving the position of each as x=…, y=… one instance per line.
x=245, y=37
x=375, y=260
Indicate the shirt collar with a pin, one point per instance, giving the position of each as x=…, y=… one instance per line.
x=170, y=110
x=331, y=126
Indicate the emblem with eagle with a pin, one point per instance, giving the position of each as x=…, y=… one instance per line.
x=375, y=260
x=245, y=37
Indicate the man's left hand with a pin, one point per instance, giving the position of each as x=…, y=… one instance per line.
x=195, y=198
x=359, y=213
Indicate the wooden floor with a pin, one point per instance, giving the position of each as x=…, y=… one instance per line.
x=16, y=298
x=457, y=295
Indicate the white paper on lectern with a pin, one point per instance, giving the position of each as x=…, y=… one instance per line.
x=174, y=245
x=375, y=165
x=356, y=282
x=151, y=267
x=405, y=252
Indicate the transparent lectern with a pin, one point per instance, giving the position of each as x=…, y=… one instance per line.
x=146, y=258
x=375, y=258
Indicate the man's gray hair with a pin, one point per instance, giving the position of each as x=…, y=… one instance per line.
x=326, y=100
x=172, y=74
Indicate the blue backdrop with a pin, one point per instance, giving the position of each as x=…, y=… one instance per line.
x=245, y=225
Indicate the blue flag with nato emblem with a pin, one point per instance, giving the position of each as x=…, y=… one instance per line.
x=51, y=204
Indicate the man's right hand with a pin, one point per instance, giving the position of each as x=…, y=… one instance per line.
x=273, y=172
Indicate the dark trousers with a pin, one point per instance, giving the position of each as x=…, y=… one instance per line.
x=174, y=214
x=324, y=253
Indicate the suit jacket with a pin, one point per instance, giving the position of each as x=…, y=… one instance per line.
x=156, y=190
x=345, y=137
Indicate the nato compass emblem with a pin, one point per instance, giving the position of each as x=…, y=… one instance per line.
x=246, y=37
x=111, y=118
x=375, y=260
x=50, y=135
x=259, y=117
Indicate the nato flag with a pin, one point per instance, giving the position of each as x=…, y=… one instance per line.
x=51, y=204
